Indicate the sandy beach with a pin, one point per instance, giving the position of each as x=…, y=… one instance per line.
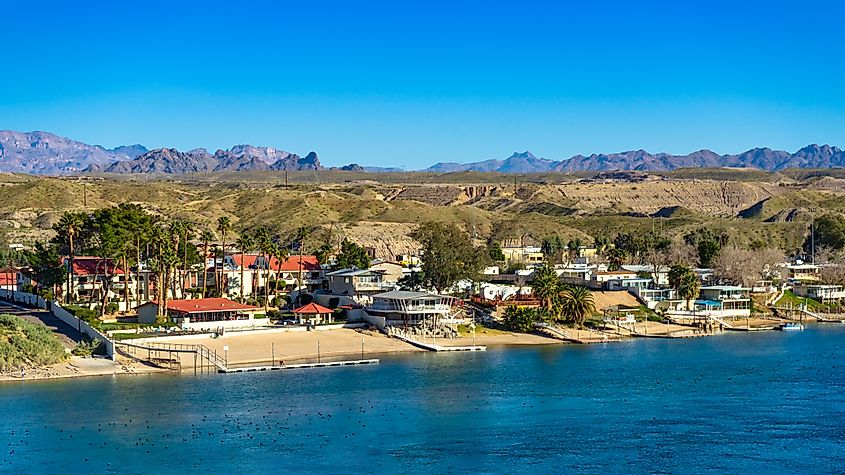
x=253, y=348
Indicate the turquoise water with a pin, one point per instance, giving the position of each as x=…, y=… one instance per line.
x=770, y=402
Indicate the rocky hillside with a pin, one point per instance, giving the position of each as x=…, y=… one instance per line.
x=49, y=154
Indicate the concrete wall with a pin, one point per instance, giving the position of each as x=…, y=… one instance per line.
x=379, y=322
x=226, y=325
x=23, y=298
x=74, y=322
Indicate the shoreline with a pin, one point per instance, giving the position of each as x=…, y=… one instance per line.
x=293, y=348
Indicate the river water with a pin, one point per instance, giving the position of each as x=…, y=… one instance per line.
x=768, y=402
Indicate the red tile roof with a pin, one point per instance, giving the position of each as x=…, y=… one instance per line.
x=206, y=305
x=291, y=264
x=8, y=278
x=87, y=265
x=313, y=309
x=248, y=259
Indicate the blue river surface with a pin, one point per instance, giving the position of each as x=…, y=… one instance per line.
x=766, y=402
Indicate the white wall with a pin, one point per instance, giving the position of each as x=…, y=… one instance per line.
x=226, y=324
x=81, y=325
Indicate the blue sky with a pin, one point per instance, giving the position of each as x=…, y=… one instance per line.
x=413, y=83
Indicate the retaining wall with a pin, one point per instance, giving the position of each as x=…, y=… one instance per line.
x=83, y=327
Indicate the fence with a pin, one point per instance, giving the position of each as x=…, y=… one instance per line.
x=23, y=298
x=83, y=327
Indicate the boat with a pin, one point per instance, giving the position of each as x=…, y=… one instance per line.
x=791, y=327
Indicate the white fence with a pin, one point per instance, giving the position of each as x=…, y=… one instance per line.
x=83, y=327
x=32, y=300
x=23, y=298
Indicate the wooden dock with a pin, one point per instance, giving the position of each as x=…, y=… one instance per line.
x=327, y=364
x=436, y=347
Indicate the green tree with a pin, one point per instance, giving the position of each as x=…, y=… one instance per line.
x=689, y=286
x=223, y=228
x=546, y=287
x=708, y=243
x=323, y=252
x=352, y=255
x=206, y=238
x=615, y=257
x=828, y=232
x=68, y=228
x=553, y=248
x=576, y=304
x=521, y=319
x=46, y=265
x=245, y=242
x=494, y=250
x=448, y=255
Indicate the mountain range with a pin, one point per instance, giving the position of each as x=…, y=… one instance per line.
x=50, y=154
x=811, y=156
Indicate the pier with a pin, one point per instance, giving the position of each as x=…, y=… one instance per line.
x=204, y=357
x=433, y=346
x=327, y=364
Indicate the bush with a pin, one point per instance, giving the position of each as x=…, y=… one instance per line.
x=521, y=319
x=89, y=347
x=24, y=344
x=112, y=308
x=334, y=302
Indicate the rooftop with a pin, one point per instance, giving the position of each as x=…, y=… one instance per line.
x=313, y=309
x=206, y=305
x=404, y=295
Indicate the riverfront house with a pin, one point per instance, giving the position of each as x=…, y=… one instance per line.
x=401, y=307
x=719, y=301
x=822, y=293
x=358, y=284
x=206, y=314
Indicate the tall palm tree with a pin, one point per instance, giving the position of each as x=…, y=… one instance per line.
x=265, y=244
x=577, y=304
x=179, y=231
x=301, y=235
x=245, y=243
x=70, y=225
x=206, y=237
x=223, y=227
x=615, y=257
x=688, y=286
x=281, y=254
x=546, y=287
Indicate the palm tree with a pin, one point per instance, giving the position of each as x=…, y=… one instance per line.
x=546, y=287
x=245, y=242
x=223, y=227
x=302, y=234
x=265, y=244
x=206, y=237
x=70, y=225
x=689, y=286
x=577, y=304
x=616, y=257
x=281, y=253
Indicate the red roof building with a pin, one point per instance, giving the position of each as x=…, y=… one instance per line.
x=89, y=265
x=313, y=314
x=210, y=313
